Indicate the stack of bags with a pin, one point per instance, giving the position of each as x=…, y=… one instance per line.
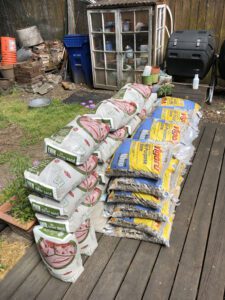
x=69, y=185
x=147, y=172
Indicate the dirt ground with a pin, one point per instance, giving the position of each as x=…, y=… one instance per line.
x=215, y=113
x=11, y=135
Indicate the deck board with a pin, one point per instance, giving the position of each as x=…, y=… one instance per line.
x=192, y=268
x=111, y=279
x=190, y=265
x=212, y=281
x=93, y=269
x=20, y=272
x=161, y=281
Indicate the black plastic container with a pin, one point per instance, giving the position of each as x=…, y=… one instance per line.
x=221, y=63
x=188, y=51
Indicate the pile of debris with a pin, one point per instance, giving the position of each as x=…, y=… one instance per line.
x=36, y=64
x=30, y=75
x=50, y=53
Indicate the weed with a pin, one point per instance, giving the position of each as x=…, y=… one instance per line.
x=16, y=190
x=7, y=156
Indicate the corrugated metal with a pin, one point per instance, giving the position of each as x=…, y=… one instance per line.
x=122, y=3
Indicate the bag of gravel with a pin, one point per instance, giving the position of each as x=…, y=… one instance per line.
x=78, y=140
x=171, y=102
x=60, y=253
x=129, y=233
x=180, y=137
x=139, y=159
x=177, y=116
x=159, y=230
x=160, y=131
x=161, y=188
x=55, y=178
x=86, y=238
x=134, y=198
x=138, y=211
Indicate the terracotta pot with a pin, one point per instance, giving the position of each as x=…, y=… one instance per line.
x=155, y=70
x=5, y=209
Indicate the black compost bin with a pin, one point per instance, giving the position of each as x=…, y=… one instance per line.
x=188, y=51
x=221, y=63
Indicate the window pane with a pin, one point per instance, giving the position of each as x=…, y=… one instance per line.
x=99, y=59
x=111, y=78
x=100, y=77
x=128, y=42
x=141, y=20
x=128, y=61
x=109, y=22
x=111, y=61
x=142, y=41
x=141, y=61
x=96, y=22
x=110, y=42
x=98, y=41
x=127, y=19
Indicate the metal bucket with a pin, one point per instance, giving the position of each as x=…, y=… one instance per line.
x=29, y=37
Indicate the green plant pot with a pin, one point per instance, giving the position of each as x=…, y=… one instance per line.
x=147, y=80
x=155, y=78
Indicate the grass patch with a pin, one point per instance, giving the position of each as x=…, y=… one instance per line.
x=7, y=156
x=3, y=121
x=37, y=123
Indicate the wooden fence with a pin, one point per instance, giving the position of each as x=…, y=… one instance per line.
x=200, y=14
x=49, y=15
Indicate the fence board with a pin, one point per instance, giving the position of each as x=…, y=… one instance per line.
x=200, y=14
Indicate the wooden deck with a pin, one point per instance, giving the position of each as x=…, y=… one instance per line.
x=192, y=268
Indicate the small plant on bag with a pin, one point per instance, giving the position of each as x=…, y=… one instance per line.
x=165, y=90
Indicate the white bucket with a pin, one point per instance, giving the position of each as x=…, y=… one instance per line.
x=29, y=37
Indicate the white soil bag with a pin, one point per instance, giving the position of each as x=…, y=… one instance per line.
x=86, y=238
x=133, y=124
x=116, y=112
x=78, y=140
x=80, y=214
x=136, y=92
x=55, y=178
x=65, y=208
x=97, y=218
x=60, y=253
x=111, y=143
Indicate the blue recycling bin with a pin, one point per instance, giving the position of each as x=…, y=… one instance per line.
x=78, y=49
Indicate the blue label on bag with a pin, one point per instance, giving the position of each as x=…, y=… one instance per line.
x=121, y=157
x=142, y=133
